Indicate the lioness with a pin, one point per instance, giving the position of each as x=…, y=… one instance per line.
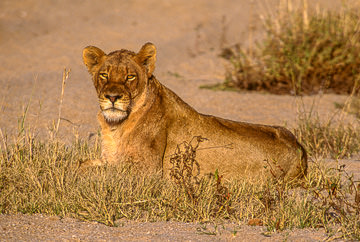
x=143, y=121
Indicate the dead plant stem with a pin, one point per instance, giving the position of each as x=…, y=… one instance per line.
x=65, y=77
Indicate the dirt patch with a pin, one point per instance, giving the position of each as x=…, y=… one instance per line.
x=39, y=227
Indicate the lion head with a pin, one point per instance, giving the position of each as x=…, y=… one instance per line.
x=119, y=77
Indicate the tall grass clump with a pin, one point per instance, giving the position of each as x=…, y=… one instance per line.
x=329, y=138
x=336, y=137
x=302, y=52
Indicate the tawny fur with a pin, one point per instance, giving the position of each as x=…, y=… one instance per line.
x=147, y=121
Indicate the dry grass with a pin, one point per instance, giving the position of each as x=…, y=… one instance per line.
x=337, y=139
x=41, y=177
x=302, y=52
x=352, y=107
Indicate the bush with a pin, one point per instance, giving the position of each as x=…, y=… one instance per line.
x=301, y=53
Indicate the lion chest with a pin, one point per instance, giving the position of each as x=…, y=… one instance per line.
x=118, y=146
x=109, y=146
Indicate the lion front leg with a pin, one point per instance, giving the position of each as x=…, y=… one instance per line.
x=90, y=163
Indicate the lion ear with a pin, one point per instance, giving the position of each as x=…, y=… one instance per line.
x=92, y=56
x=147, y=57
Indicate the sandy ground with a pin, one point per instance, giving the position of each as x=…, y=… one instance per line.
x=39, y=228
x=39, y=38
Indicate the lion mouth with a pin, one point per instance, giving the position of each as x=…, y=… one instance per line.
x=113, y=109
x=114, y=115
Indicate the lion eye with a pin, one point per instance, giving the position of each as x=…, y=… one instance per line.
x=130, y=77
x=103, y=76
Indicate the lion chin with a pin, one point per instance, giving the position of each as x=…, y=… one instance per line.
x=113, y=115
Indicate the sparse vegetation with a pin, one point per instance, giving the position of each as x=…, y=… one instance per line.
x=327, y=139
x=302, y=52
x=41, y=177
x=352, y=107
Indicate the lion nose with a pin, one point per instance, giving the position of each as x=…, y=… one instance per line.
x=113, y=98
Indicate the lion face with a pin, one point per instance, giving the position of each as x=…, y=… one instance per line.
x=119, y=78
x=118, y=81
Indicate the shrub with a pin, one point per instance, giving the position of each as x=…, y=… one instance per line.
x=301, y=53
